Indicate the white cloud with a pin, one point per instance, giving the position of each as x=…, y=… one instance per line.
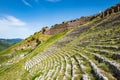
x=11, y=21
x=26, y=3
x=37, y=1
x=53, y=0
x=12, y=27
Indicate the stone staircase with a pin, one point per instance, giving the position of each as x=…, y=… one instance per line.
x=76, y=63
x=86, y=55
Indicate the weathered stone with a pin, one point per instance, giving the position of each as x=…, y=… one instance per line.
x=114, y=66
x=116, y=56
x=96, y=70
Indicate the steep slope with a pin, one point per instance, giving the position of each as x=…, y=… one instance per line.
x=5, y=43
x=86, y=52
x=90, y=52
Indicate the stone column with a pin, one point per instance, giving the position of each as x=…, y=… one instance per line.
x=113, y=11
x=108, y=13
x=103, y=14
x=118, y=8
x=100, y=14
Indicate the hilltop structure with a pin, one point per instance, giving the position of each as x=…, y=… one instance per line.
x=77, y=22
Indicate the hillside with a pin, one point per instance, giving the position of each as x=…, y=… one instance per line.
x=5, y=43
x=87, y=49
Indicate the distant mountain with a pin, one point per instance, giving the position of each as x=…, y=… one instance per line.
x=5, y=43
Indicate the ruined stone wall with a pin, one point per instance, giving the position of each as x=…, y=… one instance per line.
x=109, y=11
x=74, y=23
x=59, y=28
x=77, y=22
x=64, y=26
x=45, y=30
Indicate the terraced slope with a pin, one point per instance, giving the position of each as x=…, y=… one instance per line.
x=87, y=52
x=93, y=55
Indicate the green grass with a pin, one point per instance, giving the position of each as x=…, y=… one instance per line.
x=18, y=68
x=48, y=42
x=37, y=75
x=87, y=38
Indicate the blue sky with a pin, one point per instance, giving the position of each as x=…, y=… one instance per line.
x=21, y=18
